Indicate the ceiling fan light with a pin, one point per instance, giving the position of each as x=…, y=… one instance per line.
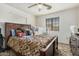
x=40, y=6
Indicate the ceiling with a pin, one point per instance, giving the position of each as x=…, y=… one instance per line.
x=34, y=10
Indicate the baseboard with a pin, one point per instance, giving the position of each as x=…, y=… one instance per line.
x=63, y=43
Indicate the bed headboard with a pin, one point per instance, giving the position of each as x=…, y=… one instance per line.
x=9, y=26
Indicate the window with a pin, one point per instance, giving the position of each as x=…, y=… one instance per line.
x=52, y=24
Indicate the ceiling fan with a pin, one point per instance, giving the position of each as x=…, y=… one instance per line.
x=41, y=4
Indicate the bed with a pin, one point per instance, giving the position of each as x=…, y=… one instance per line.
x=38, y=45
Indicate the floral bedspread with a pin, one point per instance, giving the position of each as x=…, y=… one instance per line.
x=29, y=47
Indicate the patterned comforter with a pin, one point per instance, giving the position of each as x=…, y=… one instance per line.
x=29, y=46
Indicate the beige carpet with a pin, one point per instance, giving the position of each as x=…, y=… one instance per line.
x=63, y=50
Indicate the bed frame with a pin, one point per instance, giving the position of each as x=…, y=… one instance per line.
x=50, y=50
x=9, y=26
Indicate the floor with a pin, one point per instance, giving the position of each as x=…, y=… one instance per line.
x=63, y=50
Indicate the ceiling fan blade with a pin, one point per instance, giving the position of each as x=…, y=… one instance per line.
x=32, y=5
x=48, y=6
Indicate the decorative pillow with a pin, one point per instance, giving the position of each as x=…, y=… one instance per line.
x=20, y=34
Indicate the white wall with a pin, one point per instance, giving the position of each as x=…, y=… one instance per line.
x=67, y=18
x=78, y=17
x=10, y=14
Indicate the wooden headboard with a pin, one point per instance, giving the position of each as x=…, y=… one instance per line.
x=9, y=26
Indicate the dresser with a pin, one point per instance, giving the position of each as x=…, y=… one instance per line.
x=74, y=44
